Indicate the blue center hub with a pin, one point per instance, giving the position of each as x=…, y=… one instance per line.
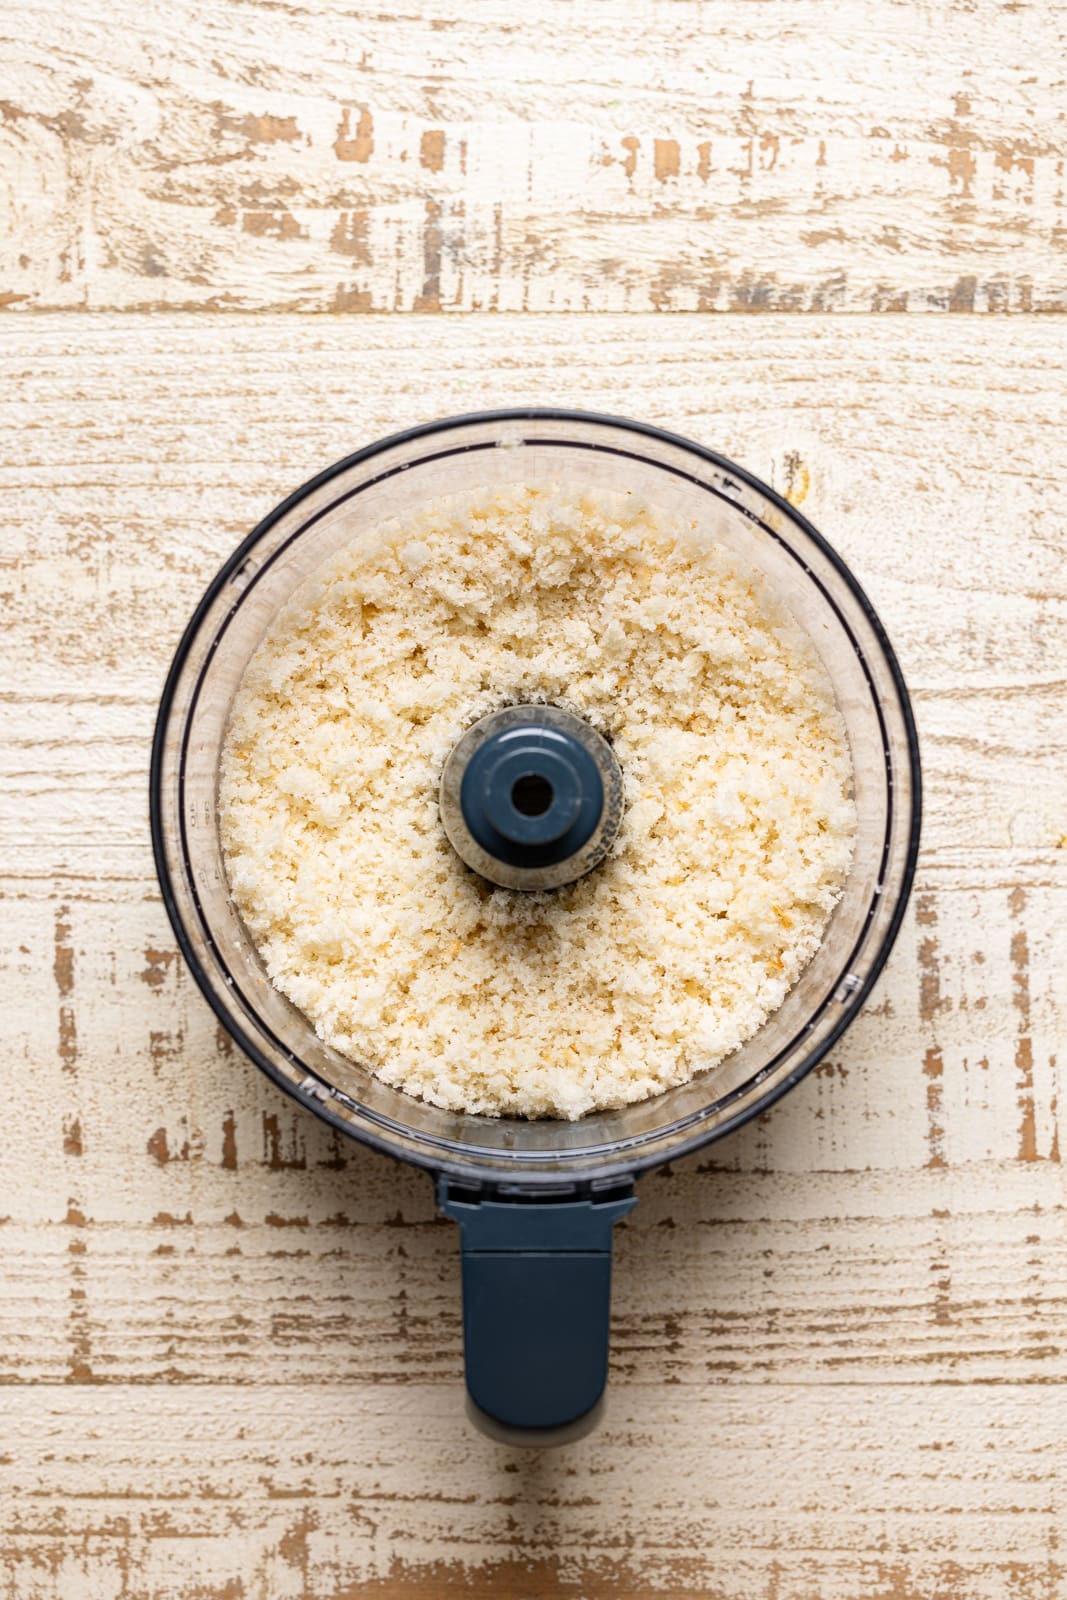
x=532, y=795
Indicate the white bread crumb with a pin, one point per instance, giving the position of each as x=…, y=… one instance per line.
x=734, y=847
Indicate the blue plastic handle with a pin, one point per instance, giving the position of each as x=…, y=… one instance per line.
x=536, y=1305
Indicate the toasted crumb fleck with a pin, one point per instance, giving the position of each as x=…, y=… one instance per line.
x=738, y=829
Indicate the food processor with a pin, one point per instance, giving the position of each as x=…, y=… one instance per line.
x=530, y=798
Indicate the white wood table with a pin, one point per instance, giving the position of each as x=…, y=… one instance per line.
x=229, y=1343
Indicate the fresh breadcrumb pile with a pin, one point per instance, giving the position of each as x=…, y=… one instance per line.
x=734, y=847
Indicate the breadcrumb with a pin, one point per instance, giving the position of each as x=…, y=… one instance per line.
x=735, y=844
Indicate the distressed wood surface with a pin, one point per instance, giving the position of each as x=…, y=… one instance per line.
x=632, y=155
x=230, y=1344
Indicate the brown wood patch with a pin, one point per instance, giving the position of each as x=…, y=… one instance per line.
x=593, y=160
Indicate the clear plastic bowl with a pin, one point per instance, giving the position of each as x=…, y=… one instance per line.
x=397, y=477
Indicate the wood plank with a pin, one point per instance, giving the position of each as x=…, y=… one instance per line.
x=631, y=156
x=767, y=1280
x=334, y=1493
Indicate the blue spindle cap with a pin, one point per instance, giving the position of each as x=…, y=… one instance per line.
x=531, y=797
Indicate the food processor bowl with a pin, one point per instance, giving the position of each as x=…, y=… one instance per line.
x=536, y=1200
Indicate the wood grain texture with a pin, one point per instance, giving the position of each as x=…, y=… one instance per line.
x=637, y=155
x=352, y=1491
x=229, y=1343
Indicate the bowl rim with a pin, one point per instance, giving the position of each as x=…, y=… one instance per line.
x=517, y=1176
